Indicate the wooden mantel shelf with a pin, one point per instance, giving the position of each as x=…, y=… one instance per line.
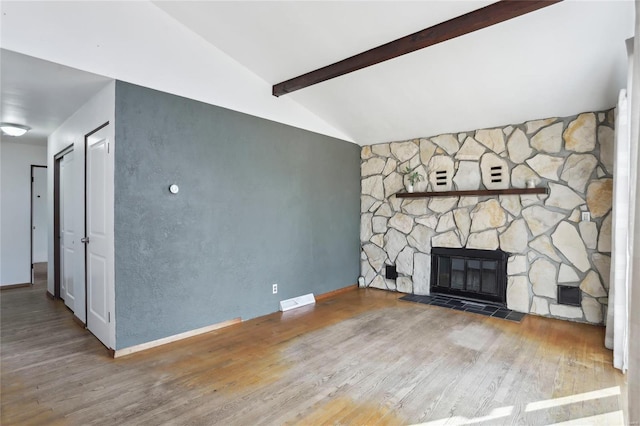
x=476, y=192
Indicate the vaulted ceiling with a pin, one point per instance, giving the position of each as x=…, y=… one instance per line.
x=561, y=60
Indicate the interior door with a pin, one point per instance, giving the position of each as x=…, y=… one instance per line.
x=67, y=233
x=38, y=214
x=98, y=315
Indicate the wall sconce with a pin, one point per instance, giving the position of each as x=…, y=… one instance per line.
x=14, y=129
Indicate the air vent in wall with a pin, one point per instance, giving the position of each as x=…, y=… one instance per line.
x=496, y=174
x=441, y=178
x=568, y=295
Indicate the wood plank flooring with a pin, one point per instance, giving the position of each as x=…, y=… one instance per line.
x=358, y=358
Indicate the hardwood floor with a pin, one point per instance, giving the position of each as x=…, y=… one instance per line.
x=360, y=358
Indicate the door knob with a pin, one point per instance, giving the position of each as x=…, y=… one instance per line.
x=84, y=240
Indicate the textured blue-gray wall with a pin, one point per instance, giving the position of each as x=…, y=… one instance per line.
x=260, y=202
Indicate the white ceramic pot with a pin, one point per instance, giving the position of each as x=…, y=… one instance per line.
x=410, y=188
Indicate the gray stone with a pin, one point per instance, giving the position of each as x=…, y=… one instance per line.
x=378, y=240
x=373, y=166
x=420, y=238
x=401, y=222
x=601, y=117
x=470, y=150
x=540, y=306
x=404, y=285
x=394, y=242
x=446, y=222
x=518, y=147
x=492, y=139
x=442, y=204
x=461, y=136
x=468, y=201
x=412, y=163
x=421, y=274
x=562, y=197
x=487, y=215
x=381, y=149
x=599, y=197
x=468, y=175
x=440, y=163
x=448, y=239
x=375, y=255
x=378, y=282
x=606, y=138
x=366, y=231
x=522, y=174
x=463, y=224
x=546, y=166
x=515, y=238
x=589, y=234
x=592, y=310
x=518, y=294
x=396, y=203
x=430, y=221
x=516, y=265
x=580, y=135
x=511, y=204
x=543, y=245
x=367, y=272
x=578, y=170
x=390, y=166
x=485, y=240
x=548, y=139
x=602, y=263
x=447, y=142
x=567, y=275
x=564, y=311
x=365, y=152
x=567, y=240
x=404, y=151
x=592, y=285
x=373, y=186
x=600, y=173
x=392, y=184
x=534, y=126
x=415, y=206
x=391, y=284
x=604, y=240
x=366, y=202
x=575, y=216
x=507, y=130
x=384, y=210
x=375, y=206
x=543, y=278
x=540, y=220
x=488, y=163
x=404, y=261
x=427, y=149
x=380, y=224
x=528, y=200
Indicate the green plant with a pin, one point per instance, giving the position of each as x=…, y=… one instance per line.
x=413, y=176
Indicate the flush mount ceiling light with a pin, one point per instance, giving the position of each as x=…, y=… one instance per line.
x=14, y=129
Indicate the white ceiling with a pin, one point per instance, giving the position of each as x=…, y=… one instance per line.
x=41, y=94
x=561, y=60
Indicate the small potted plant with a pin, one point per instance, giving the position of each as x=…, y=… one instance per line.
x=413, y=177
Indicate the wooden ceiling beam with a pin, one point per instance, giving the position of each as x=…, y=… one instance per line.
x=456, y=27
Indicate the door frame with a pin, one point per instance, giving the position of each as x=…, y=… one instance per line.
x=56, y=219
x=33, y=166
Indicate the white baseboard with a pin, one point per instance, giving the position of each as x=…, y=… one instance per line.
x=169, y=339
x=297, y=302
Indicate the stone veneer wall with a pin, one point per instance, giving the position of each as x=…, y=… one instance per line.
x=547, y=241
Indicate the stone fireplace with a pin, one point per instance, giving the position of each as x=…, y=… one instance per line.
x=550, y=246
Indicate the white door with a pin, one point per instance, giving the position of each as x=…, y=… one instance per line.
x=67, y=233
x=97, y=250
x=39, y=215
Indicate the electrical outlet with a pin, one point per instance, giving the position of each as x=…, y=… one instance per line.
x=586, y=216
x=274, y=288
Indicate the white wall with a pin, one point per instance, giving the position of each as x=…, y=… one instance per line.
x=15, y=208
x=97, y=111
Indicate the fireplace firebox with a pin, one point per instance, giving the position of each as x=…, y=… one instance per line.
x=471, y=274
